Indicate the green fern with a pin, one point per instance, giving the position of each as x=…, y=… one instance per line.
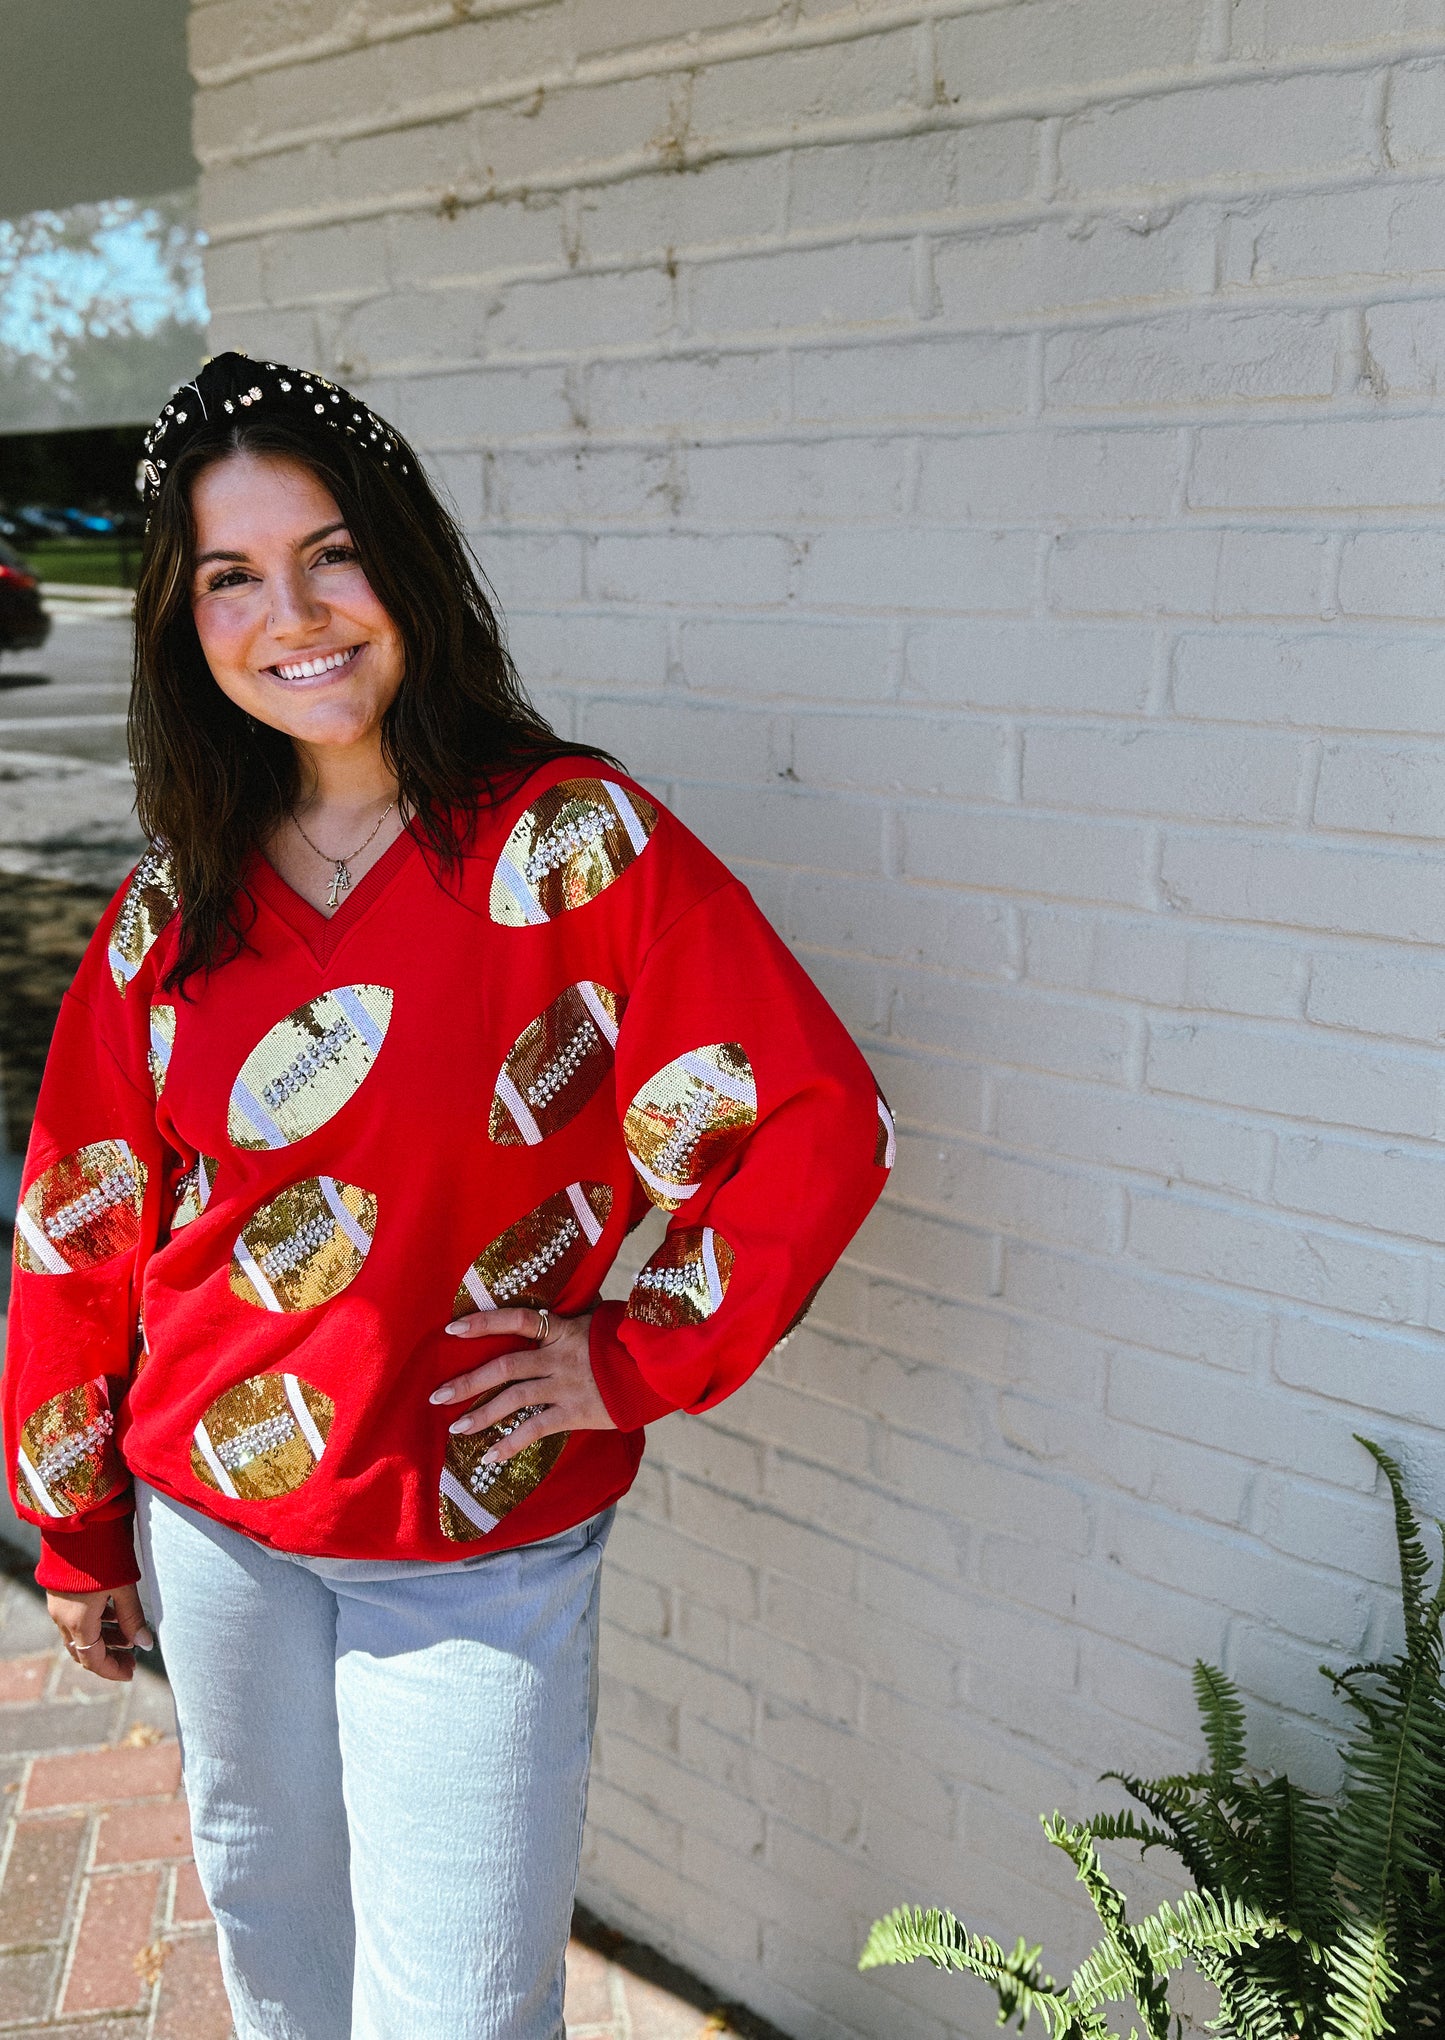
x=1314, y=1919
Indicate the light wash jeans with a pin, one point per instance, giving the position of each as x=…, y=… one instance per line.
x=387, y=1770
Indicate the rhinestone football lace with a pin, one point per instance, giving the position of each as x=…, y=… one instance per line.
x=234, y=1453
x=299, y=1072
x=559, y=1072
x=482, y=1477
x=564, y=841
x=118, y=1186
x=68, y=1453
x=290, y=1253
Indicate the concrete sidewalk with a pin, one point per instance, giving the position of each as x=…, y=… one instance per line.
x=104, y=1934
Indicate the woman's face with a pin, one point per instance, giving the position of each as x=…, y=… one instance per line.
x=286, y=618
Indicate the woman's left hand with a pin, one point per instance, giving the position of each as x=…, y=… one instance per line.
x=554, y=1370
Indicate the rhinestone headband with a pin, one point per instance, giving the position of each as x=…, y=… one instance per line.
x=230, y=386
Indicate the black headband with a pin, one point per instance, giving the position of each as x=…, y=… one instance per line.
x=231, y=385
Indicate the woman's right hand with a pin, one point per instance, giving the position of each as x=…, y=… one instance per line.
x=103, y=1630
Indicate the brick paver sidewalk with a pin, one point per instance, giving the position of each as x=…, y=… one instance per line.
x=104, y=1934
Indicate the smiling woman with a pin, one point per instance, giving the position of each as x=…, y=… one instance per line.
x=408, y=1017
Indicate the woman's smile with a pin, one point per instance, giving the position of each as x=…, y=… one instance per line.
x=317, y=666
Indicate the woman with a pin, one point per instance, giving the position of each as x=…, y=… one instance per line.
x=357, y=1092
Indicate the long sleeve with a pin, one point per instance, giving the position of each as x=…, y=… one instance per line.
x=86, y=1219
x=751, y=1117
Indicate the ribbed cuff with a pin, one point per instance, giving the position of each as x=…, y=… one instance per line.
x=88, y=1558
x=631, y=1400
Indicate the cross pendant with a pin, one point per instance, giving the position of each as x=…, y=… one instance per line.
x=340, y=882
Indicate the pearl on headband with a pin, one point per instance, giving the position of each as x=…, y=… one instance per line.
x=231, y=383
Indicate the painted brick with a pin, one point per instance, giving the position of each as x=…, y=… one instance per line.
x=1151, y=1135
x=1312, y=679
x=1399, y=994
x=940, y=173
x=1316, y=466
x=1273, y=28
x=1373, y=231
x=873, y=74
x=1016, y=666
x=890, y=568
x=1048, y=477
x=1235, y=776
x=1283, y=1070
x=1304, y=885
x=984, y=277
x=1378, y=788
x=1193, y=358
x=1234, y=132
x=992, y=54
x=1405, y=345
x=807, y=289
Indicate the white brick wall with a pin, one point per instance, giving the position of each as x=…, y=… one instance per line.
x=982, y=463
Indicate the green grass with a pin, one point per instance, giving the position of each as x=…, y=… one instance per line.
x=103, y=562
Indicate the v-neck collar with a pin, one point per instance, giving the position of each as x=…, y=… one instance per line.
x=324, y=933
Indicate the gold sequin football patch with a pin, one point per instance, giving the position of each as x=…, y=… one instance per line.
x=305, y=1068
x=150, y=900
x=556, y=1066
x=162, y=1042
x=262, y=1438
x=81, y=1211
x=474, y=1498
x=573, y=842
x=685, y=1281
x=532, y=1262
x=304, y=1246
x=193, y=1190
x=66, y=1459
x=885, y=1147
x=693, y=1114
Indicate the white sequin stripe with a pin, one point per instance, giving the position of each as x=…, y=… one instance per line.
x=631, y=820
x=37, y=1486
x=39, y=1245
x=305, y=1422
x=586, y=1216
x=890, y=1136
x=470, y=1507
x=477, y=1290
x=120, y=964
x=533, y=912
x=160, y=1047
x=709, y=1266
x=343, y=1217
x=742, y=1090
x=249, y=1106
x=345, y=997
x=212, y=1458
x=259, y=1283
x=520, y=1110
x=673, y=1194
x=606, y=1025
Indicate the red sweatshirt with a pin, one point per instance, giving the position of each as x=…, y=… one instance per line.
x=248, y=1213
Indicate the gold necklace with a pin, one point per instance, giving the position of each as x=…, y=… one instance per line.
x=341, y=876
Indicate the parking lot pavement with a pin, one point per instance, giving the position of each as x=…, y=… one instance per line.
x=65, y=788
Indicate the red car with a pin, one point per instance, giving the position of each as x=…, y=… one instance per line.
x=24, y=626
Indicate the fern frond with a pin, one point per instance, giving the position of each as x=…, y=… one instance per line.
x=1362, y=1983
x=1414, y=1559
x=1198, y=1924
x=1222, y=1715
x=911, y=1934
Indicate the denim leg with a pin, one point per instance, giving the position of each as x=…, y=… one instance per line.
x=250, y=1641
x=466, y=1704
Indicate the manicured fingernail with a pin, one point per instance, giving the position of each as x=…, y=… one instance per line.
x=144, y=1638
x=456, y=1330
x=440, y=1395
x=461, y=1424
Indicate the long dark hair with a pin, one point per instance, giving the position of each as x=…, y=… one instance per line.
x=211, y=783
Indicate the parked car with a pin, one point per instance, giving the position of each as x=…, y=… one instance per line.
x=38, y=520
x=24, y=625
x=90, y=523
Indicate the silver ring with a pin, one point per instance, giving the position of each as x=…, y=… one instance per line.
x=545, y=1325
x=97, y=1644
